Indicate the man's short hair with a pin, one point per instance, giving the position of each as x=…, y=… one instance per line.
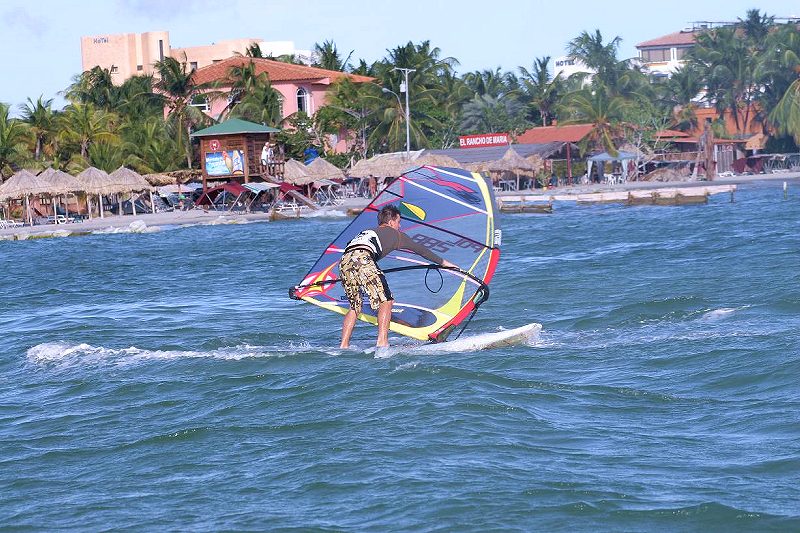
x=388, y=213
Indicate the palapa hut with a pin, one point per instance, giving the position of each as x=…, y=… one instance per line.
x=134, y=183
x=511, y=162
x=323, y=170
x=97, y=182
x=61, y=184
x=24, y=184
x=158, y=179
x=296, y=173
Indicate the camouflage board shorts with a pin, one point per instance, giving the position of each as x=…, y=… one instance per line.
x=360, y=273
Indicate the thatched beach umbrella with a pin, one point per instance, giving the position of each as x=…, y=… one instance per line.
x=22, y=185
x=159, y=180
x=361, y=169
x=323, y=170
x=61, y=183
x=95, y=181
x=133, y=181
x=512, y=162
x=436, y=160
x=296, y=173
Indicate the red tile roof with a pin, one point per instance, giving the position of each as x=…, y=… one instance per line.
x=546, y=134
x=276, y=70
x=667, y=134
x=679, y=38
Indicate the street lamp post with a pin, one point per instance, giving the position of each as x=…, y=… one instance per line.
x=404, y=88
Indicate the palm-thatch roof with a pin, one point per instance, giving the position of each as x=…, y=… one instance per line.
x=96, y=181
x=21, y=184
x=46, y=173
x=323, y=170
x=159, y=180
x=394, y=164
x=60, y=182
x=296, y=173
x=133, y=181
x=511, y=162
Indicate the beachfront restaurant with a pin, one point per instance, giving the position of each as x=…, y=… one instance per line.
x=239, y=151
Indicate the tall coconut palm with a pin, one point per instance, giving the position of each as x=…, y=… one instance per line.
x=487, y=82
x=603, y=111
x=424, y=90
x=13, y=141
x=487, y=113
x=728, y=63
x=94, y=86
x=786, y=115
x=40, y=119
x=177, y=85
x=84, y=125
x=542, y=90
x=327, y=56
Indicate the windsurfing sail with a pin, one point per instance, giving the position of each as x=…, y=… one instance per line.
x=451, y=212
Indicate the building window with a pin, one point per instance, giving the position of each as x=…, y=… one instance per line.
x=161, y=50
x=193, y=65
x=302, y=100
x=114, y=69
x=139, y=68
x=681, y=52
x=655, y=55
x=201, y=102
x=216, y=60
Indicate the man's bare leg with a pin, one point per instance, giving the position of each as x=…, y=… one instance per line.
x=347, y=328
x=384, y=317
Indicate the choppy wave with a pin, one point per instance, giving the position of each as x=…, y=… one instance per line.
x=66, y=353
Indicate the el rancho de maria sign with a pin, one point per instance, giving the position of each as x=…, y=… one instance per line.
x=484, y=139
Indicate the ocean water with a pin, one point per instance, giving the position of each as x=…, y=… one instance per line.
x=165, y=381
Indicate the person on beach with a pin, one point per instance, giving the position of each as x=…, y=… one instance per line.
x=360, y=272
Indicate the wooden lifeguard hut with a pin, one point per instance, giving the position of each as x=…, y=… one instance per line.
x=241, y=151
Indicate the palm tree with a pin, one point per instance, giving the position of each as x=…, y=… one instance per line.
x=327, y=57
x=543, y=90
x=487, y=82
x=13, y=140
x=487, y=113
x=40, y=118
x=604, y=112
x=425, y=94
x=94, y=86
x=84, y=125
x=728, y=63
x=176, y=84
x=786, y=115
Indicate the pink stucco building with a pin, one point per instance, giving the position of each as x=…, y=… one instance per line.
x=302, y=88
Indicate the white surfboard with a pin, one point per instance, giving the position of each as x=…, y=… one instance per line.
x=527, y=334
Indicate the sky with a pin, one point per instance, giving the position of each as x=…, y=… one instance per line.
x=40, y=40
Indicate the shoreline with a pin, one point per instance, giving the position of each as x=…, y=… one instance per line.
x=149, y=222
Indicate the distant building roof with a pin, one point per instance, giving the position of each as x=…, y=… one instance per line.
x=233, y=126
x=547, y=134
x=493, y=153
x=276, y=70
x=679, y=38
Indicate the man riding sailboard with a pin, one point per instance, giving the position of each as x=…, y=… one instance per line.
x=446, y=213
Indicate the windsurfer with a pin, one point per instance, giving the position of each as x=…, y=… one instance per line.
x=359, y=270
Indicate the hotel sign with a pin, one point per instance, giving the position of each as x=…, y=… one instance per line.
x=486, y=139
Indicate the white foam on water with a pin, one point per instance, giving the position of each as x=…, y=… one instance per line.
x=722, y=312
x=64, y=353
x=137, y=226
x=525, y=336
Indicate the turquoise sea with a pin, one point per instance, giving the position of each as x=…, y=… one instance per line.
x=166, y=382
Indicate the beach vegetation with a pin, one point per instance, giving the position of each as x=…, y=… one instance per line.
x=749, y=72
